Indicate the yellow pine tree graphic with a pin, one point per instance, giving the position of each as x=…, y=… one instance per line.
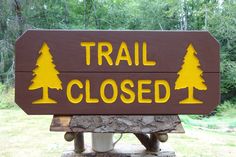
x=45, y=76
x=190, y=76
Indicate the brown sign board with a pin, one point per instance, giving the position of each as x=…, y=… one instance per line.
x=117, y=72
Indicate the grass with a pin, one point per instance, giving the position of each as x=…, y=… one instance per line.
x=22, y=134
x=7, y=98
x=205, y=143
x=224, y=121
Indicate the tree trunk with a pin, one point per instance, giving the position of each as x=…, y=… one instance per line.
x=18, y=11
x=3, y=20
x=205, y=18
x=185, y=15
x=95, y=15
x=66, y=12
x=85, y=16
x=45, y=93
x=190, y=93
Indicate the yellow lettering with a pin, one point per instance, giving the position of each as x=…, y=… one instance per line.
x=127, y=91
x=104, y=53
x=87, y=46
x=88, y=98
x=126, y=57
x=68, y=91
x=115, y=91
x=157, y=91
x=145, y=60
x=136, y=53
x=141, y=91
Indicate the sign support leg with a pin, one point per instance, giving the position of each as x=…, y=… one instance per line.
x=79, y=142
x=154, y=143
x=150, y=143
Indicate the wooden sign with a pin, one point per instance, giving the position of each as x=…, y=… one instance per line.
x=117, y=72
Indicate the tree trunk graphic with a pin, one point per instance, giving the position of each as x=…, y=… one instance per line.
x=45, y=93
x=190, y=99
x=45, y=99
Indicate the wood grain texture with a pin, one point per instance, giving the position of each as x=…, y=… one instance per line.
x=118, y=124
x=24, y=97
x=68, y=57
x=167, y=48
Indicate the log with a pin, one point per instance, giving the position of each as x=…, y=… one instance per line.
x=118, y=124
x=69, y=136
x=153, y=143
x=144, y=139
x=79, y=143
x=162, y=137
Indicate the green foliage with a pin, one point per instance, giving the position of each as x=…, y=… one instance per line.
x=2, y=88
x=188, y=120
x=6, y=97
x=228, y=76
x=222, y=24
x=213, y=126
x=223, y=120
x=225, y=107
x=196, y=116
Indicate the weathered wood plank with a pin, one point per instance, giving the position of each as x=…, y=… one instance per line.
x=61, y=123
x=118, y=124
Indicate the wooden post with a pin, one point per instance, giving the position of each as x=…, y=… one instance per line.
x=151, y=144
x=154, y=143
x=79, y=142
x=144, y=139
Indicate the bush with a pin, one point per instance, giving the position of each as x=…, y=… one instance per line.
x=225, y=106
x=7, y=97
x=187, y=119
x=2, y=88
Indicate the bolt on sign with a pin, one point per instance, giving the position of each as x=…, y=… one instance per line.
x=117, y=72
